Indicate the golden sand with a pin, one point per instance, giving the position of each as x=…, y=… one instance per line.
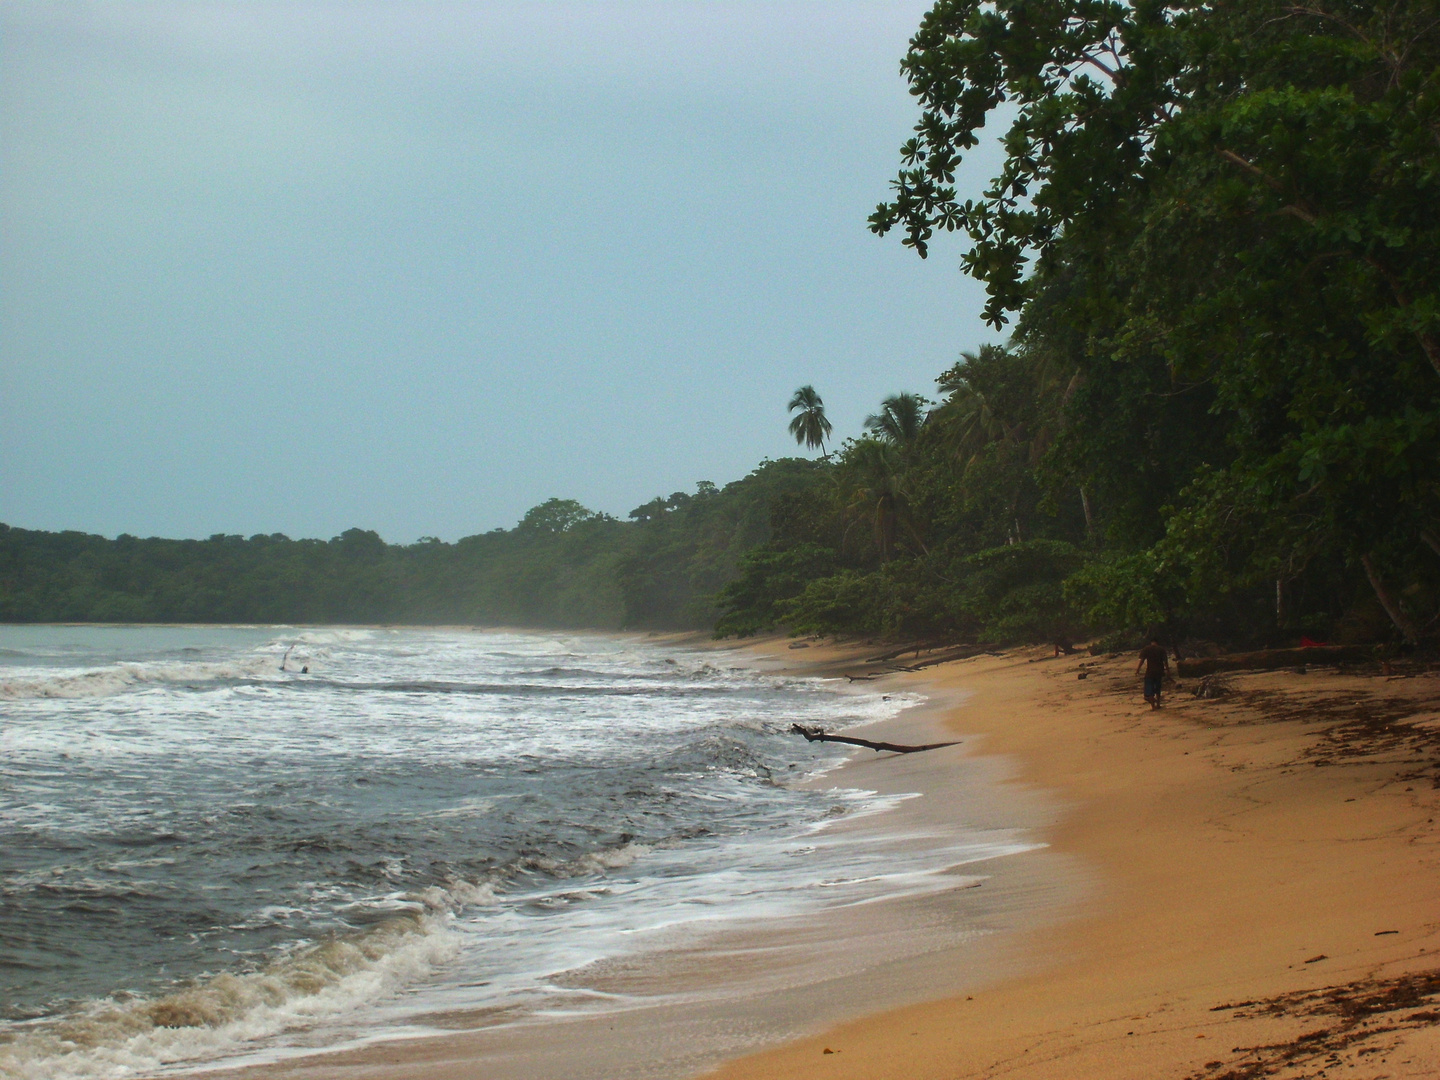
x=1271, y=887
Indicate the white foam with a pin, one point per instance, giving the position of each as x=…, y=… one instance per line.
x=117, y=679
x=470, y=944
x=115, y=1039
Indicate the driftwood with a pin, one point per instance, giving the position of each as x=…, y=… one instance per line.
x=814, y=734
x=1270, y=659
x=960, y=652
x=895, y=654
x=939, y=655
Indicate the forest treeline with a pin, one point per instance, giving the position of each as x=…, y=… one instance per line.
x=1216, y=239
x=561, y=565
x=1215, y=244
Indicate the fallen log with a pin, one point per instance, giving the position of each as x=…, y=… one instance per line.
x=895, y=654
x=960, y=652
x=1270, y=659
x=814, y=734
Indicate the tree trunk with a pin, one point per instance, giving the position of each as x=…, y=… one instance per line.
x=1085, y=505
x=814, y=734
x=1431, y=347
x=1388, y=601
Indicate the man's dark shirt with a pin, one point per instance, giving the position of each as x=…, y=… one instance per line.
x=1154, y=657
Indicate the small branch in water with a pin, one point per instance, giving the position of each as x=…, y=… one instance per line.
x=814, y=734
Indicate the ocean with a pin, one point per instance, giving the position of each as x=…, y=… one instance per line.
x=224, y=844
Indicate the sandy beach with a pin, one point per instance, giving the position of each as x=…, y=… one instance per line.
x=1228, y=887
x=1268, y=869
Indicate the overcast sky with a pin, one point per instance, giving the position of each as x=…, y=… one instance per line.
x=293, y=267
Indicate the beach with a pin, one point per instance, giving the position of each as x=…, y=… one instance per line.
x=1229, y=887
x=1267, y=869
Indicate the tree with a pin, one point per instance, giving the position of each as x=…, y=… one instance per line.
x=1225, y=213
x=899, y=420
x=554, y=516
x=810, y=426
x=872, y=485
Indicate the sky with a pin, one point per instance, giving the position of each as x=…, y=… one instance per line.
x=416, y=267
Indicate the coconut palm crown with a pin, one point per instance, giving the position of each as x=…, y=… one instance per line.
x=809, y=425
x=899, y=420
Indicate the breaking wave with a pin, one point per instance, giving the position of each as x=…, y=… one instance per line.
x=431, y=817
x=117, y=679
x=207, y=1019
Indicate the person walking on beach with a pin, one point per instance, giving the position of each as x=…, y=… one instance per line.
x=1155, y=663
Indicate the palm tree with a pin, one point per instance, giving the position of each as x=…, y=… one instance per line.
x=872, y=486
x=968, y=420
x=899, y=420
x=809, y=426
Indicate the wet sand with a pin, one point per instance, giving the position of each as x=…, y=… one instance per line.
x=1231, y=888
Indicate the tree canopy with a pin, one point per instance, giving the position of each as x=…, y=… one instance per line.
x=1223, y=216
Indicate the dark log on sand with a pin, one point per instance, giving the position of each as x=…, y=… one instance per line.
x=896, y=653
x=939, y=656
x=814, y=734
x=1270, y=659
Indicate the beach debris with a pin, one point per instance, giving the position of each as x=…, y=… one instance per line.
x=1317, y=959
x=1275, y=659
x=939, y=654
x=1214, y=686
x=1083, y=675
x=815, y=734
x=1351, y=1019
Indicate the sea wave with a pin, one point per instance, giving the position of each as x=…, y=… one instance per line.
x=120, y=1037
x=515, y=689
x=119, y=678
x=228, y=815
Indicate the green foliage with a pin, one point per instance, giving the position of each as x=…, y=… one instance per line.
x=562, y=565
x=1129, y=591
x=554, y=516
x=1017, y=592
x=849, y=602
x=809, y=425
x=1217, y=222
x=899, y=420
x=769, y=576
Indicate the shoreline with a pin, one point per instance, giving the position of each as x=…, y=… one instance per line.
x=784, y=976
x=1268, y=865
x=1251, y=891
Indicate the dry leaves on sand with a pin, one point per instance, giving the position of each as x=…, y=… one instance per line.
x=1355, y=1021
